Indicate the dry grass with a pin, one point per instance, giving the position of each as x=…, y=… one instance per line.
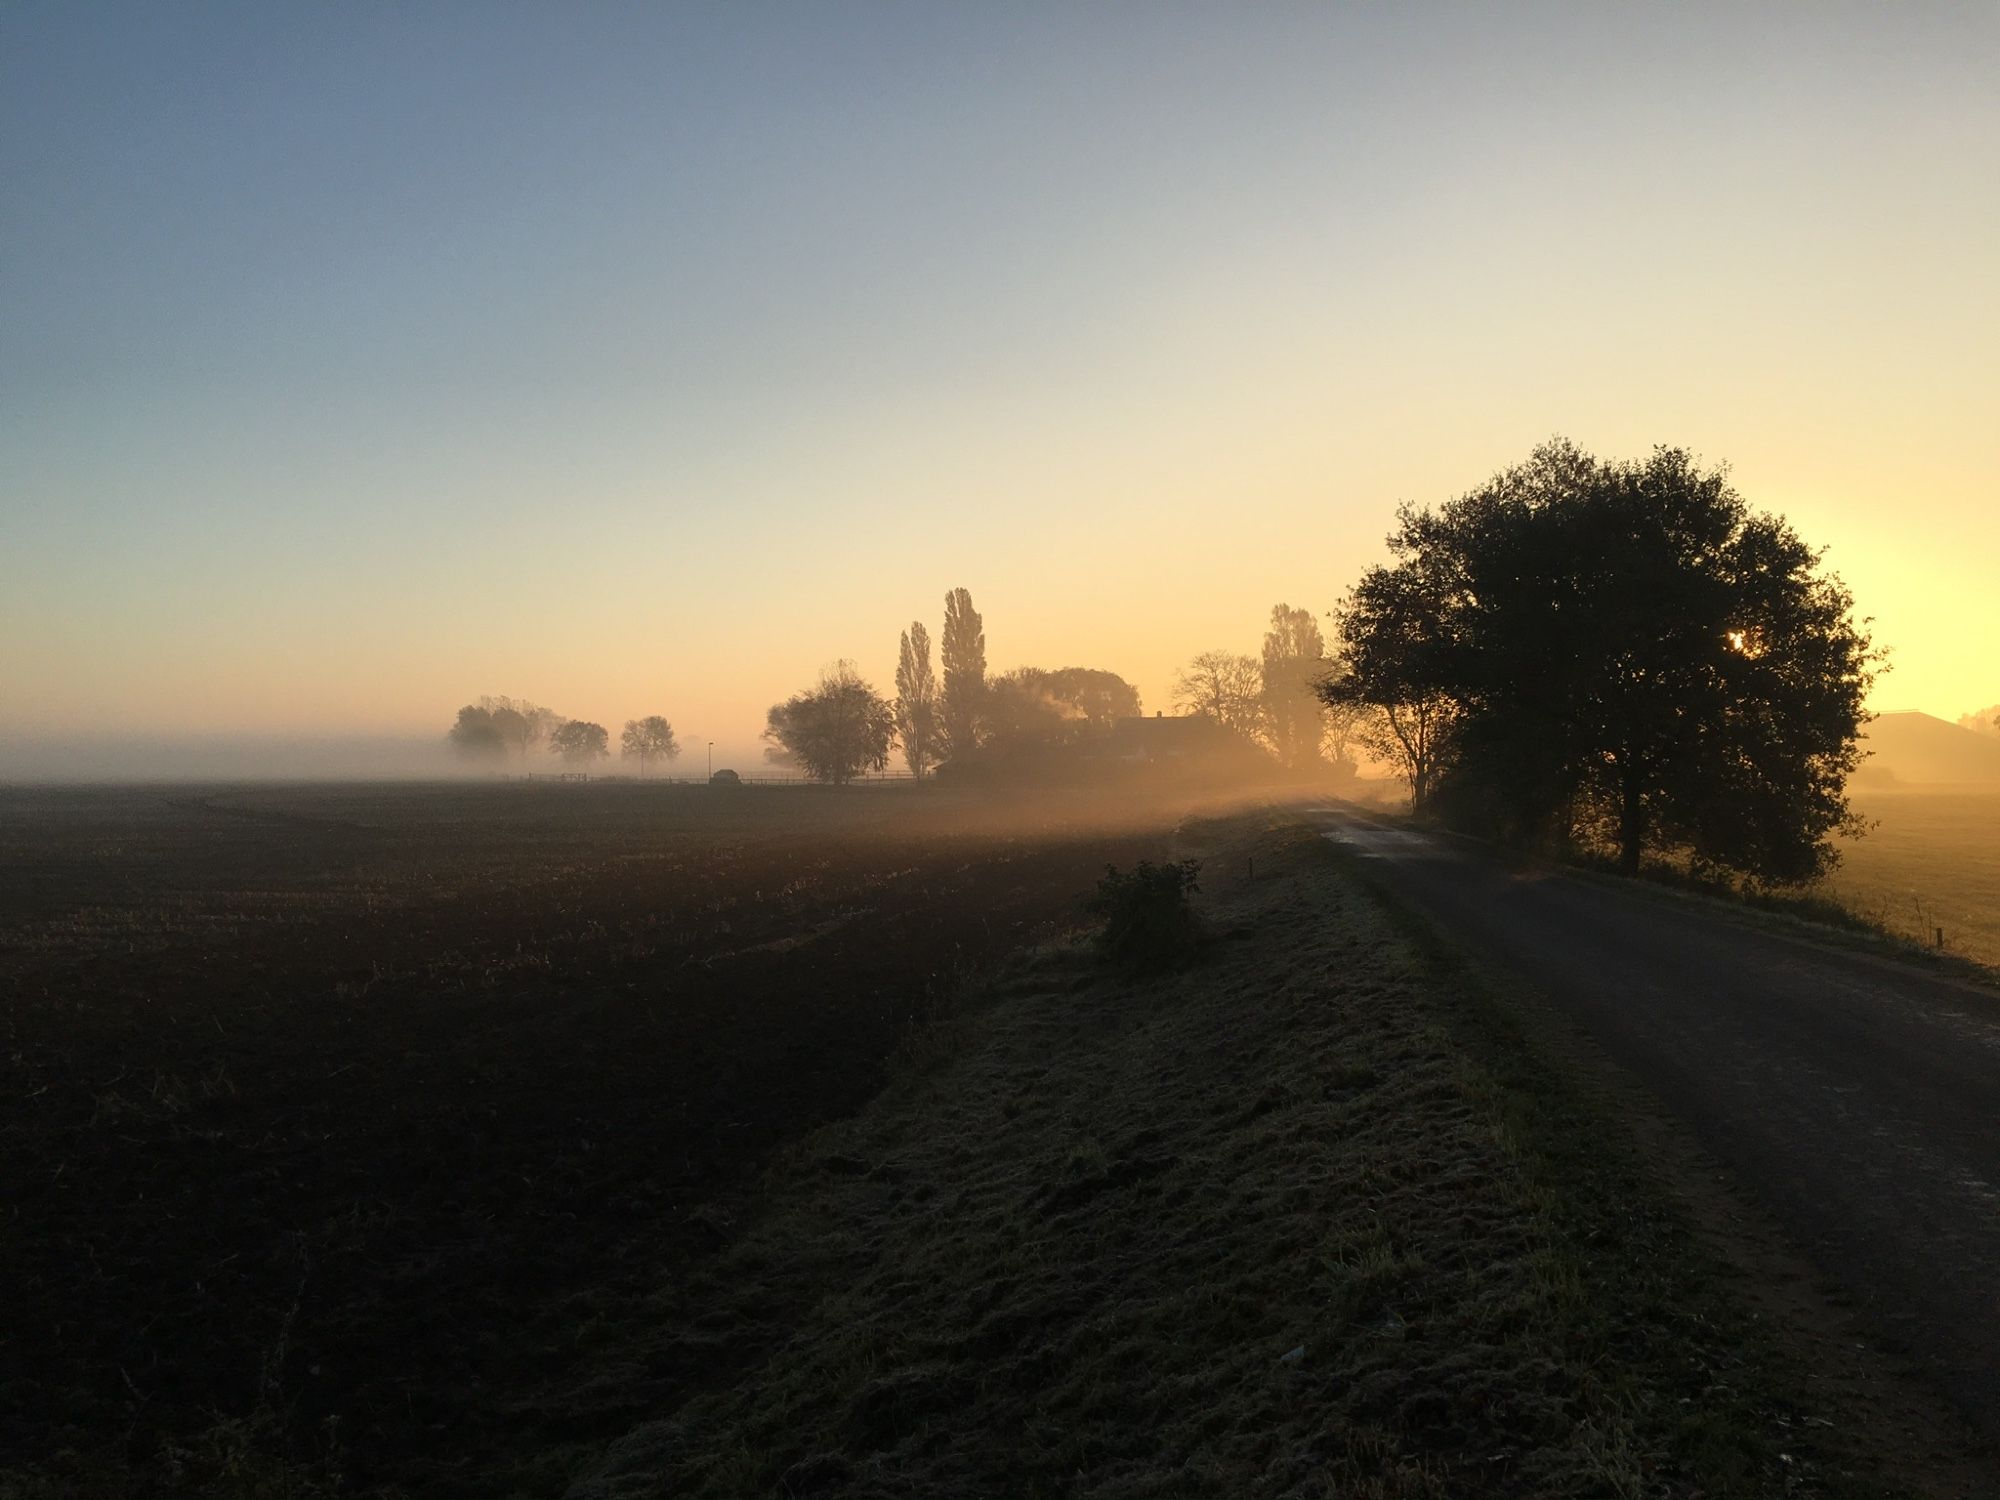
x=1931, y=861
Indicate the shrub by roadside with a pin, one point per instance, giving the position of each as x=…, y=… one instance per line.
x=1149, y=919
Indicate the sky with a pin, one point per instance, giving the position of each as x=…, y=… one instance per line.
x=357, y=360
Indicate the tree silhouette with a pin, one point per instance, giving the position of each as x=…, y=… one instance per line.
x=647, y=738
x=1032, y=706
x=1090, y=693
x=1621, y=653
x=963, y=649
x=1390, y=674
x=917, y=700
x=521, y=724
x=475, y=737
x=1225, y=687
x=1293, y=667
x=579, y=742
x=833, y=731
x=1344, y=723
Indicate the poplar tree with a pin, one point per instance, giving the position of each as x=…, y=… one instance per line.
x=917, y=700
x=963, y=649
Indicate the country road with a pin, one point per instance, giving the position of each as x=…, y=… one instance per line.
x=1857, y=1099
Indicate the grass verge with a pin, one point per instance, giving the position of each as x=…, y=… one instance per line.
x=1308, y=1218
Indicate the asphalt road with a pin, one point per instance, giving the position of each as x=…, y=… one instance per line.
x=1857, y=1098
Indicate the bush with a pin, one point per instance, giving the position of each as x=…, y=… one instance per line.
x=1148, y=923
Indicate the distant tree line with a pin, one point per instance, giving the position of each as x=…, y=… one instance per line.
x=1026, y=721
x=1613, y=654
x=496, y=730
x=1579, y=654
x=959, y=716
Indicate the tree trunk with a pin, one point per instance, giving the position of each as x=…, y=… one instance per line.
x=1631, y=819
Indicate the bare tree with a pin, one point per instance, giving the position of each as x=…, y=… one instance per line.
x=1345, y=723
x=963, y=649
x=917, y=700
x=646, y=738
x=1222, y=686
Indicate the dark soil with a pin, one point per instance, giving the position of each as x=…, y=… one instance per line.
x=325, y=1106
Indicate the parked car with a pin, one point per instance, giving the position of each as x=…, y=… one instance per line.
x=725, y=778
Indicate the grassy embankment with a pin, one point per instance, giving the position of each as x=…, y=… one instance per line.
x=1308, y=1218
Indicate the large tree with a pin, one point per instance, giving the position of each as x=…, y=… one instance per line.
x=1293, y=667
x=475, y=737
x=917, y=700
x=834, y=730
x=963, y=649
x=1225, y=687
x=1039, y=706
x=647, y=739
x=521, y=724
x=1625, y=653
x=1090, y=693
x=580, y=742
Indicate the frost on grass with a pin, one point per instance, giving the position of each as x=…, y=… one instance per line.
x=1244, y=1230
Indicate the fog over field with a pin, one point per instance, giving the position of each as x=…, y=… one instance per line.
x=866, y=748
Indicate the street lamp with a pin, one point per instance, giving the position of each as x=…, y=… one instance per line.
x=711, y=760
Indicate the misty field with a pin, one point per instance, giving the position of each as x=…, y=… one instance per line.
x=324, y=1104
x=613, y=1140
x=1931, y=861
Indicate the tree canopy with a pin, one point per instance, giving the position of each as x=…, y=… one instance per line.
x=497, y=727
x=475, y=736
x=1036, y=706
x=580, y=742
x=521, y=725
x=1616, y=653
x=834, y=730
x=648, y=739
